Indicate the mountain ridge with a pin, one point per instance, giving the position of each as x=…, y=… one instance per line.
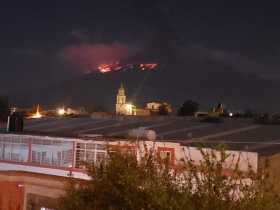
x=171, y=83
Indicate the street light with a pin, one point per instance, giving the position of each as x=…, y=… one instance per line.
x=61, y=111
x=129, y=107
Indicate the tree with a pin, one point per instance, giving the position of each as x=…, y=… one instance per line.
x=97, y=108
x=163, y=109
x=248, y=114
x=4, y=109
x=188, y=109
x=123, y=182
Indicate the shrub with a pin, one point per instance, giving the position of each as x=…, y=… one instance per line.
x=123, y=182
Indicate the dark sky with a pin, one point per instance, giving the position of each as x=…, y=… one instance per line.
x=45, y=41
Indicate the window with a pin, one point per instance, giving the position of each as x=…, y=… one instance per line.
x=91, y=152
x=52, y=152
x=165, y=153
x=14, y=148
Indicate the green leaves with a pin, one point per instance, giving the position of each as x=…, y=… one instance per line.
x=125, y=182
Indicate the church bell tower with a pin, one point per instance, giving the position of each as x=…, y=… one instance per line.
x=121, y=100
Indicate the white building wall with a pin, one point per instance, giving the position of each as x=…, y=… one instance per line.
x=92, y=148
x=192, y=153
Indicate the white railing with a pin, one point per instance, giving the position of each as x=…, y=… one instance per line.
x=51, y=151
x=91, y=152
x=14, y=148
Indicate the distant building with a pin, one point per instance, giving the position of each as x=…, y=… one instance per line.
x=153, y=106
x=201, y=114
x=220, y=110
x=143, y=112
x=123, y=108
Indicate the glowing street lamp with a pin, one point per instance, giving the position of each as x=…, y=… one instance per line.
x=61, y=111
x=129, y=108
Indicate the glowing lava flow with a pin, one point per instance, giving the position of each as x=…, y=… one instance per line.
x=104, y=69
x=145, y=66
x=110, y=67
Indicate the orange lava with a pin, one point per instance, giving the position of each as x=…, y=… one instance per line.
x=116, y=66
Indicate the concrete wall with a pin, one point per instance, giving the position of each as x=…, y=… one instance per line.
x=246, y=158
x=11, y=197
x=143, y=112
x=192, y=153
x=24, y=190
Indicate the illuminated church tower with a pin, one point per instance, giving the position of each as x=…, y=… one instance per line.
x=122, y=108
x=121, y=100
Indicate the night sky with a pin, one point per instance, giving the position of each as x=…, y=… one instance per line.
x=45, y=42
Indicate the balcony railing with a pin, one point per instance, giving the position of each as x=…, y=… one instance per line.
x=51, y=151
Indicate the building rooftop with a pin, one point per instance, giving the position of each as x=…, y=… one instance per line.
x=238, y=134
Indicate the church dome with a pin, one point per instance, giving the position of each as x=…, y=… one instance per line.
x=121, y=90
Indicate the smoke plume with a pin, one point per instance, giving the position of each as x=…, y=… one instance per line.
x=90, y=56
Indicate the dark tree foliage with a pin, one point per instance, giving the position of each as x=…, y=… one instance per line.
x=4, y=109
x=123, y=182
x=163, y=109
x=96, y=108
x=188, y=109
x=248, y=114
x=210, y=119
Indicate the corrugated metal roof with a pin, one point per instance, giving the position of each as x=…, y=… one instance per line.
x=264, y=139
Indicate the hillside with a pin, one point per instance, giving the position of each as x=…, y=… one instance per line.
x=172, y=83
